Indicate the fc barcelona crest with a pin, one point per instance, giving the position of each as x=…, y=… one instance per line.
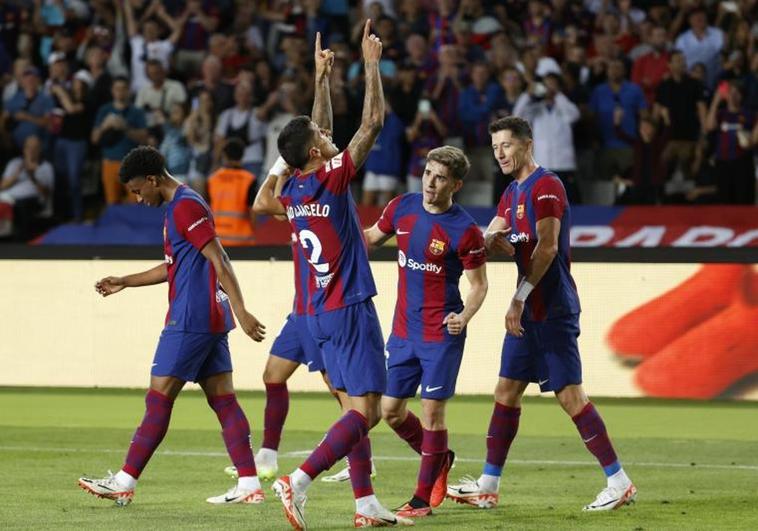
x=520, y=211
x=437, y=247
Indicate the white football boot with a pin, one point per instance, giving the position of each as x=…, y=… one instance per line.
x=108, y=488
x=468, y=492
x=611, y=498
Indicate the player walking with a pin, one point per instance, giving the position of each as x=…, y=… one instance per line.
x=341, y=315
x=437, y=241
x=193, y=345
x=532, y=222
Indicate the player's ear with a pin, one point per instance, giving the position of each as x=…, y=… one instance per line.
x=457, y=185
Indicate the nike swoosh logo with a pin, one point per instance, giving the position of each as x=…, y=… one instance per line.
x=541, y=382
x=588, y=440
x=309, y=363
x=154, y=364
x=227, y=500
x=401, y=232
x=433, y=389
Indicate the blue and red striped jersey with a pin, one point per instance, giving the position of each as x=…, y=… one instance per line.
x=196, y=302
x=322, y=214
x=729, y=125
x=541, y=196
x=433, y=252
x=302, y=278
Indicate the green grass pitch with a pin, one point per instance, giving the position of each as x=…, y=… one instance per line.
x=695, y=465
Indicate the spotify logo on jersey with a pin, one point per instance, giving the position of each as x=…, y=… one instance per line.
x=401, y=258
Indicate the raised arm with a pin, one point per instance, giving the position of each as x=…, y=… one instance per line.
x=322, y=100
x=215, y=254
x=131, y=24
x=372, y=119
x=111, y=285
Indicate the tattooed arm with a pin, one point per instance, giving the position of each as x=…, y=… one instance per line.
x=373, y=101
x=322, y=101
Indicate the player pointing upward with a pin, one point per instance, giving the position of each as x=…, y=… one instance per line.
x=533, y=221
x=341, y=314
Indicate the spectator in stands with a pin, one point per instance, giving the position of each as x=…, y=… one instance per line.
x=284, y=104
x=606, y=99
x=14, y=85
x=425, y=133
x=27, y=185
x=100, y=92
x=174, y=146
x=551, y=115
x=198, y=21
x=211, y=81
x=158, y=97
x=231, y=192
x=736, y=133
x=406, y=93
x=198, y=129
x=72, y=142
x=244, y=122
x=702, y=44
x=643, y=183
x=512, y=86
x=147, y=44
x=444, y=87
x=650, y=69
x=119, y=127
x=29, y=109
x=681, y=105
x=384, y=165
x=476, y=105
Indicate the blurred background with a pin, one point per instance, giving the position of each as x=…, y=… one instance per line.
x=645, y=109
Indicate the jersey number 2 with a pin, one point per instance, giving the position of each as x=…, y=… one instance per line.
x=309, y=240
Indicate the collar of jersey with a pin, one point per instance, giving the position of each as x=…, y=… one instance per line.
x=535, y=174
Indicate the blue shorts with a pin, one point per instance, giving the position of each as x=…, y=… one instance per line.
x=351, y=342
x=547, y=354
x=191, y=356
x=295, y=343
x=433, y=365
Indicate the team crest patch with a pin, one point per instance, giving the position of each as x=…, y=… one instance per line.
x=437, y=247
x=520, y=211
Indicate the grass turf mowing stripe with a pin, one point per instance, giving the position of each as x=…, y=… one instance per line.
x=305, y=453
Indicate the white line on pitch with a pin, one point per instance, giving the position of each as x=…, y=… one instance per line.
x=305, y=453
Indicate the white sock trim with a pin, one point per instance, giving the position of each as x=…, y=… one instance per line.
x=300, y=480
x=249, y=483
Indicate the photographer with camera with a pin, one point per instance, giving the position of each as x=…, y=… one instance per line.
x=552, y=115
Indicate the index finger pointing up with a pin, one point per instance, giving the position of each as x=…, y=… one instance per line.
x=318, y=41
x=367, y=28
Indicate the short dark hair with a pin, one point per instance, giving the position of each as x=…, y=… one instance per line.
x=452, y=158
x=234, y=149
x=141, y=162
x=518, y=127
x=154, y=62
x=117, y=79
x=295, y=141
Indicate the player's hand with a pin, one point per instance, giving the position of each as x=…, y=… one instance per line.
x=371, y=46
x=324, y=59
x=513, y=318
x=251, y=326
x=455, y=323
x=109, y=285
x=497, y=242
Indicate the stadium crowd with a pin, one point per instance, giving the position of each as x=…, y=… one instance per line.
x=631, y=102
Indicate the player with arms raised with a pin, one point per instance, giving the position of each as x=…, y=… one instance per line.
x=203, y=292
x=532, y=223
x=341, y=315
x=437, y=242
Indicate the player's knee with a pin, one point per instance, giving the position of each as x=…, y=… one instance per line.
x=508, y=395
x=392, y=415
x=572, y=399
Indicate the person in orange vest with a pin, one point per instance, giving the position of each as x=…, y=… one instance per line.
x=231, y=190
